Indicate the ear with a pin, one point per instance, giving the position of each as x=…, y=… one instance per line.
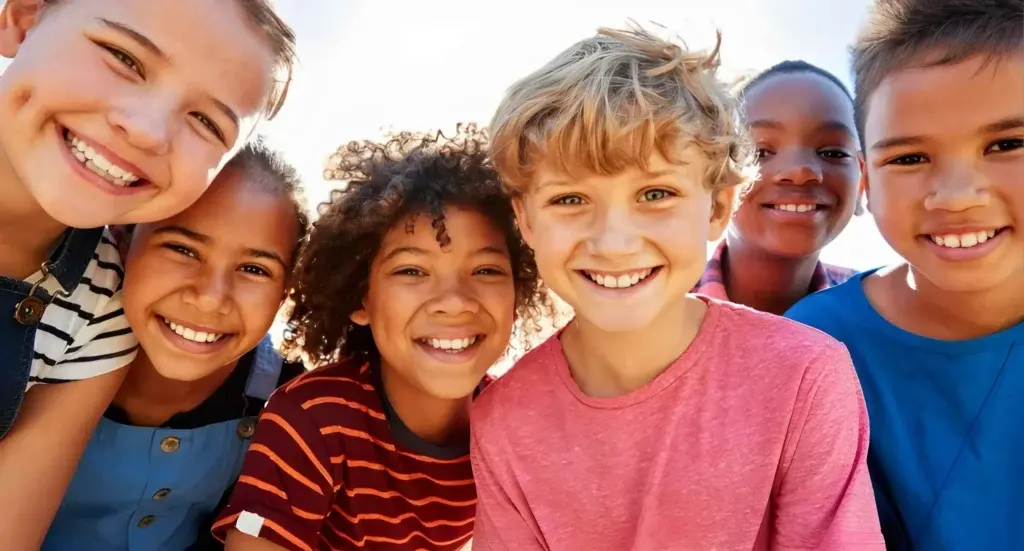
x=360, y=317
x=522, y=218
x=16, y=18
x=862, y=188
x=723, y=202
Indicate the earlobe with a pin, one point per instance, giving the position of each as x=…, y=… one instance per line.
x=360, y=317
x=723, y=202
x=519, y=207
x=16, y=18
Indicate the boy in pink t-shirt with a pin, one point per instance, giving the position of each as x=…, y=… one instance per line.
x=655, y=420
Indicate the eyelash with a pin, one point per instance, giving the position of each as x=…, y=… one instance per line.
x=840, y=154
x=133, y=65
x=562, y=200
x=1005, y=145
x=416, y=272
x=185, y=251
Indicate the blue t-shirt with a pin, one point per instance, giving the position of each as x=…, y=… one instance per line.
x=947, y=425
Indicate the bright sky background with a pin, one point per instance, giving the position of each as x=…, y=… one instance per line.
x=368, y=65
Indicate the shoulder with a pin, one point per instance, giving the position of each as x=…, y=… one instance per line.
x=336, y=394
x=526, y=382
x=837, y=274
x=828, y=309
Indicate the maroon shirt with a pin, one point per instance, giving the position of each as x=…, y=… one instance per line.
x=332, y=467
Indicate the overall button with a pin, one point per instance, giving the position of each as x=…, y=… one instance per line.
x=246, y=427
x=160, y=494
x=145, y=521
x=170, y=444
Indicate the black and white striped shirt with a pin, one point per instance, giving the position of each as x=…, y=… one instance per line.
x=85, y=334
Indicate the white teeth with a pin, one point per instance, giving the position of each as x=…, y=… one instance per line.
x=451, y=345
x=619, y=282
x=963, y=240
x=99, y=164
x=796, y=208
x=192, y=334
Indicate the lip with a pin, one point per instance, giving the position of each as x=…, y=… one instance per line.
x=964, y=254
x=620, y=293
x=143, y=185
x=188, y=346
x=465, y=355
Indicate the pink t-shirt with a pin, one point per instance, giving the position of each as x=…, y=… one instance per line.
x=755, y=438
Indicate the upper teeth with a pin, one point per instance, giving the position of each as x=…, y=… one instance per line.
x=451, y=344
x=192, y=334
x=796, y=208
x=619, y=281
x=956, y=241
x=98, y=163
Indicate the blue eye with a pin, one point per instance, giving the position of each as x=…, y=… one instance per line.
x=567, y=200
x=652, y=195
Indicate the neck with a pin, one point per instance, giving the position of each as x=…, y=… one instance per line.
x=440, y=421
x=27, y=233
x=936, y=313
x=608, y=364
x=150, y=399
x=765, y=282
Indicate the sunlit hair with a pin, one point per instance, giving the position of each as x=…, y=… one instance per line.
x=902, y=34
x=610, y=102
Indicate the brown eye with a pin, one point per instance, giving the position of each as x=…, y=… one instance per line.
x=124, y=58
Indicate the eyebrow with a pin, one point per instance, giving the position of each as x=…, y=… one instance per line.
x=423, y=252
x=833, y=125
x=206, y=240
x=149, y=45
x=998, y=126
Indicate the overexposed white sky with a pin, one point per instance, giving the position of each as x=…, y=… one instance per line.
x=410, y=65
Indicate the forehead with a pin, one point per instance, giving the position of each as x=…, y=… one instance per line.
x=946, y=100
x=690, y=168
x=468, y=229
x=211, y=45
x=797, y=97
x=235, y=211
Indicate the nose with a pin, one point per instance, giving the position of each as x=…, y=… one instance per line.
x=146, y=125
x=210, y=292
x=796, y=167
x=452, y=298
x=614, y=235
x=958, y=188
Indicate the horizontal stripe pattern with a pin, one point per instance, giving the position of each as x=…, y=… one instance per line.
x=85, y=334
x=326, y=473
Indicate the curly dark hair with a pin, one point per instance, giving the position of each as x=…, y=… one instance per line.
x=387, y=182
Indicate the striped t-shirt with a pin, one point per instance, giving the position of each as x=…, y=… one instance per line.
x=84, y=334
x=332, y=467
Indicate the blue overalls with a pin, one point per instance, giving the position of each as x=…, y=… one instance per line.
x=150, y=489
x=21, y=308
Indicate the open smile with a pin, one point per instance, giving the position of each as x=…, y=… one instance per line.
x=194, y=339
x=451, y=349
x=621, y=280
x=102, y=168
x=965, y=245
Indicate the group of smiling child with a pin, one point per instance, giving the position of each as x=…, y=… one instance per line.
x=147, y=246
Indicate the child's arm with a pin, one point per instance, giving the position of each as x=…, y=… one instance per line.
x=499, y=525
x=286, y=488
x=824, y=498
x=39, y=455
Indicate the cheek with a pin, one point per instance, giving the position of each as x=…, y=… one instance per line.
x=258, y=304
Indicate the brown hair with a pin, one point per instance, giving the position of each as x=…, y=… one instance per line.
x=609, y=102
x=280, y=38
x=927, y=33
x=386, y=183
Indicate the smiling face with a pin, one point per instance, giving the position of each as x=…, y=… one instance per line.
x=441, y=317
x=118, y=111
x=622, y=249
x=803, y=125
x=945, y=176
x=202, y=288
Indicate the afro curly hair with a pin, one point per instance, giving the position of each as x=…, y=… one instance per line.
x=387, y=183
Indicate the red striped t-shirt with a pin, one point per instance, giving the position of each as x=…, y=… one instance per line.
x=332, y=467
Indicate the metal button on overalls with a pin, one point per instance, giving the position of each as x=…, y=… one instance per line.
x=145, y=521
x=170, y=444
x=160, y=494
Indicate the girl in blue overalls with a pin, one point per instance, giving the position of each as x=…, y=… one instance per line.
x=201, y=291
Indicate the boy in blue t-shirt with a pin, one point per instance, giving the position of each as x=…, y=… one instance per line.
x=938, y=341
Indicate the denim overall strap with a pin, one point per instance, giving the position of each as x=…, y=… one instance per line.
x=67, y=265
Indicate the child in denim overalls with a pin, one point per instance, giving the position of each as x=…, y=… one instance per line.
x=111, y=112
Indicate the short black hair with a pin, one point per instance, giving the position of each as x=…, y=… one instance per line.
x=268, y=170
x=789, y=67
x=407, y=174
x=930, y=33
